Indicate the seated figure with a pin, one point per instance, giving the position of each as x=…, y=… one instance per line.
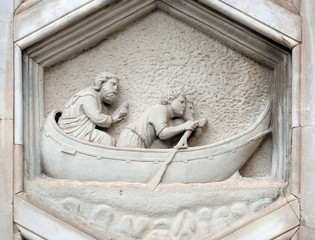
x=87, y=110
x=154, y=123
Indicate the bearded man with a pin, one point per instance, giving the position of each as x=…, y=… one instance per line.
x=154, y=123
x=86, y=110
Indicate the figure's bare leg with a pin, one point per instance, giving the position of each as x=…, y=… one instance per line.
x=102, y=137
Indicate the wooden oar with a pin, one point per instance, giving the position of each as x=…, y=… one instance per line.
x=181, y=143
x=155, y=181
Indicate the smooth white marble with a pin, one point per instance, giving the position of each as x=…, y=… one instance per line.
x=288, y=235
x=21, y=5
x=252, y=15
x=6, y=63
x=270, y=14
x=307, y=65
x=47, y=17
x=296, y=86
x=43, y=224
x=18, y=96
x=6, y=178
x=17, y=3
x=295, y=175
x=307, y=114
x=38, y=221
x=6, y=119
x=18, y=168
x=307, y=176
x=274, y=221
x=240, y=13
x=29, y=235
x=306, y=233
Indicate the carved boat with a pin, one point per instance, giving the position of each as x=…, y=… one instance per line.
x=66, y=157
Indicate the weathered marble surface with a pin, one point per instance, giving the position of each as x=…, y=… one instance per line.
x=229, y=89
x=279, y=224
x=306, y=233
x=37, y=16
x=6, y=119
x=307, y=174
x=291, y=5
x=226, y=87
x=307, y=157
x=307, y=116
x=259, y=165
x=178, y=210
x=6, y=66
x=41, y=224
x=18, y=96
x=270, y=14
x=246, y=12
x=6, y=178
x=261, y=16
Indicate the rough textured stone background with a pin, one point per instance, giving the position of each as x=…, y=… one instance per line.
x=159, y=52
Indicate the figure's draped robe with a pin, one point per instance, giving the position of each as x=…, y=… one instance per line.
x=82, y=113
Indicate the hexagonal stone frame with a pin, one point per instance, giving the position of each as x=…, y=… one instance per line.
x=90, y=22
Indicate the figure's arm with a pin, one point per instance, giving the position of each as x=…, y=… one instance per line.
x=90, y=108
x=169, y=132
x=183, y=142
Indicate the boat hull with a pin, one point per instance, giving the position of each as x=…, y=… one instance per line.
x=65, y=157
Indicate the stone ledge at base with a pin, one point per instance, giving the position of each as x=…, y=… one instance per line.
x=37, y=222
x=278, y=221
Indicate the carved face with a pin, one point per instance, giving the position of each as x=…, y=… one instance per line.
x=109, y=91
x=178, y=106
x=189, y=111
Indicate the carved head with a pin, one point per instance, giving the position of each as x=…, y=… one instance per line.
x=107, y=84
x=176, y=100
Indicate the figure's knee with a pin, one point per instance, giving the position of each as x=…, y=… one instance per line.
x=108, y=140
x=102, y=138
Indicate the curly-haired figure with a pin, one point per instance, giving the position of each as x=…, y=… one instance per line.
x=154, y=123
x=87, y=109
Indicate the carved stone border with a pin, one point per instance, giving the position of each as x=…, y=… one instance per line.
x=43, y=51
x=280, y=220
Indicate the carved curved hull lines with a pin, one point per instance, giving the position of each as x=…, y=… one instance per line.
x=66, y=157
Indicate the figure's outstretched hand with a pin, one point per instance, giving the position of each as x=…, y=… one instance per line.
x=123, y=113
x=202, y=122
x=120, y=113
x=117, y=118
x=191, y=125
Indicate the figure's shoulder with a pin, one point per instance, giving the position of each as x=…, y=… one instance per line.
x=159, y=108
x=86, y=92
x=157, y=113
x=82, y=96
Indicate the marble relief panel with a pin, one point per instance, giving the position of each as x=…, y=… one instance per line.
x=159, y=52
x=230, y=90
